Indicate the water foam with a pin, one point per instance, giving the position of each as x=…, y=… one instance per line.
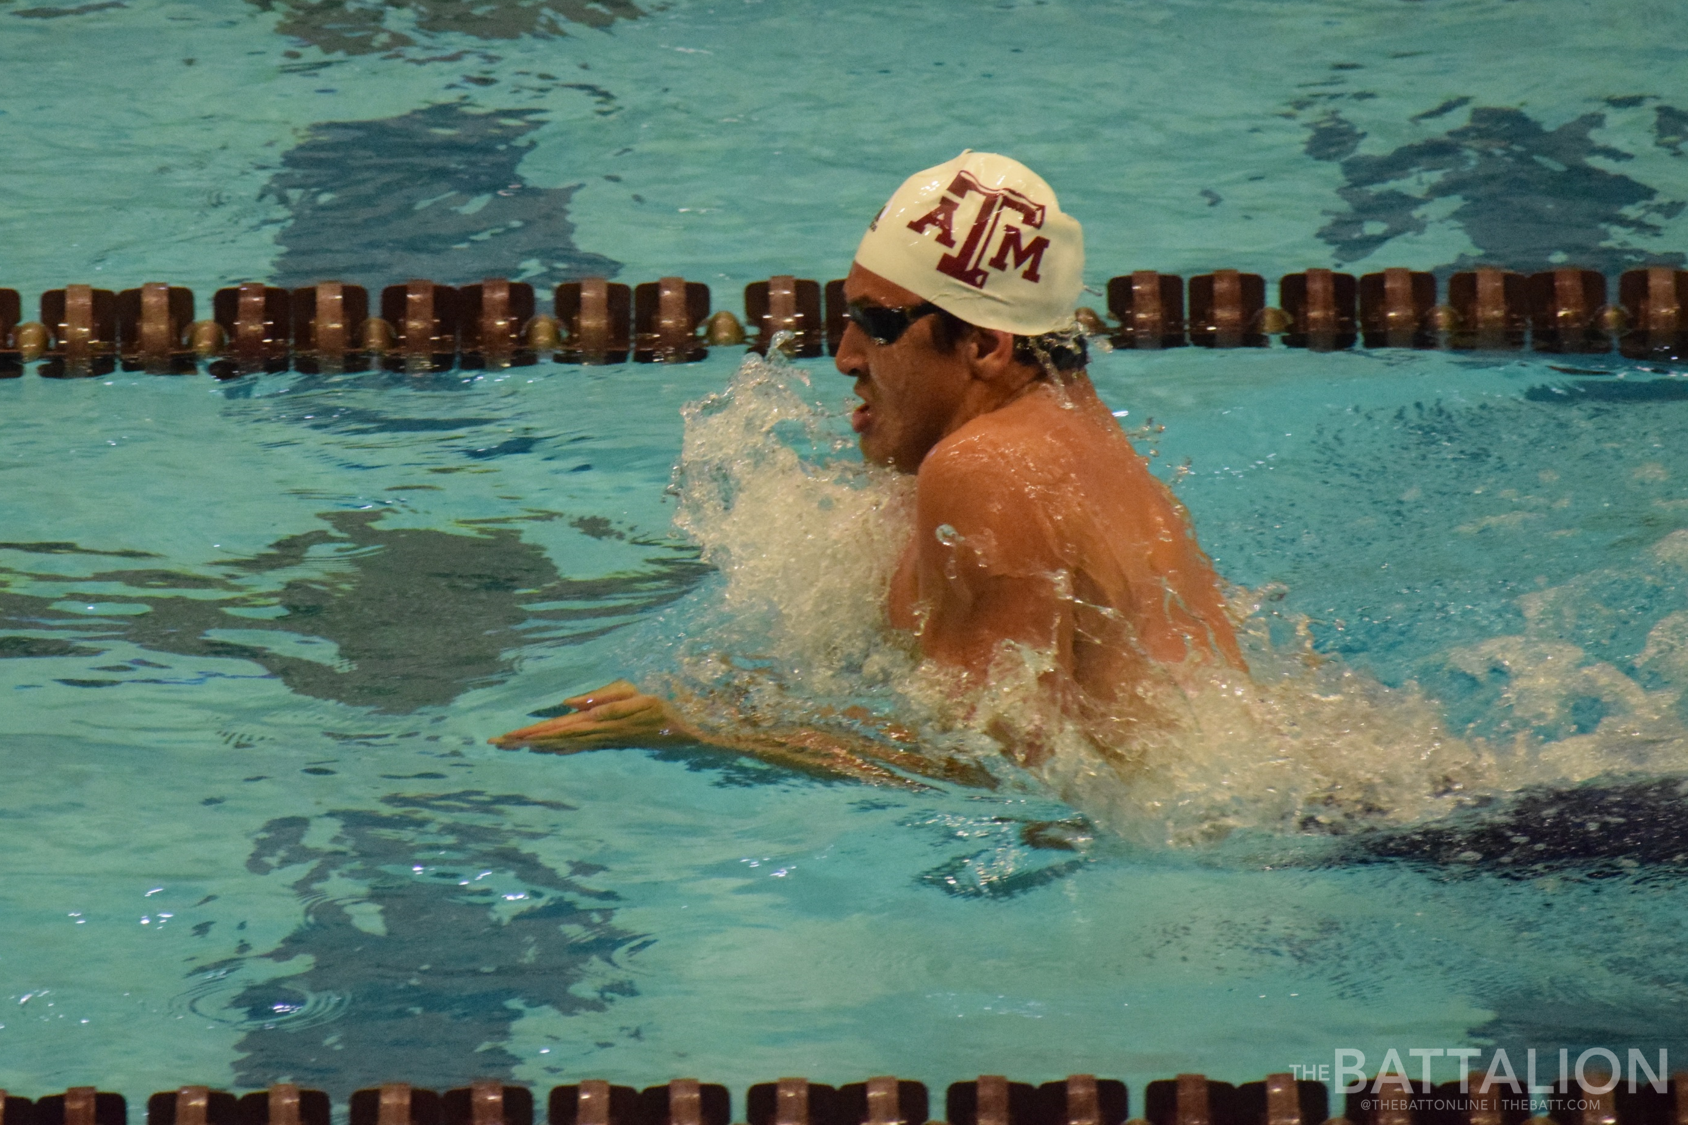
x=805, y=538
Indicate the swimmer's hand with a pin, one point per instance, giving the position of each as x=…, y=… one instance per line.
x=617, y=714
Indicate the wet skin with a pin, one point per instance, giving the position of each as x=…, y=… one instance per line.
x=1036, y=522
x=1035, y=519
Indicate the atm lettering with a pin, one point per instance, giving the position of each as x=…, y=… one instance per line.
x=1031, y=253
x=967, y=263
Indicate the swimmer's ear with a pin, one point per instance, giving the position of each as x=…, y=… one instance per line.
x=992, y=353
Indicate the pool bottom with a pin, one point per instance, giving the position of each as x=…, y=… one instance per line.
x=288, y=863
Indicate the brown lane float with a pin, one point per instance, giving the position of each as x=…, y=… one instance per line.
x=882, y=1101
x=594, y=316
x=593, y=1103
x=685, y=1101
x=328, y=327
x=394, y=1103
x=1655, y=301
x=1565, y=311
x=82, y=1105
x=493, y=320
x=991, y=1099
x=666, y=316
x=1393, y=1105
x=1281, y=1099
x=11, y=355
x=487, y=1103
x=1080, y=1099
x=257, y=323
x=1395, y=309
x=1191, y=1099
x=285, y=1104
x=1320, y=305
x=82, y=325
x=425, y=326
x=424, y=319
x=1489, y=310
x=152, y=329
x=723, y=331
x=15, y=1110
x=1150, y=309
x=1227, y=309
x=787, y=304
x=193, y=1105
x=791, y=1101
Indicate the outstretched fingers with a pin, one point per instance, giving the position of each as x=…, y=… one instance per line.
x=617, y=717
x=537, y=730
x=615, y=691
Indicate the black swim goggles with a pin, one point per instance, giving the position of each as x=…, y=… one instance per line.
x=886, y=325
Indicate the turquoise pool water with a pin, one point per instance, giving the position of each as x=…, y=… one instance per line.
x=255, y=634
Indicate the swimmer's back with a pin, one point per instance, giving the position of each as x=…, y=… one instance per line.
x=1067, y=494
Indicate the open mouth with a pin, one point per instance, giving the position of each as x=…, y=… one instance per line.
x=860, y=417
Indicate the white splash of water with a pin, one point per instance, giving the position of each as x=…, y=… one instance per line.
x=806, y=538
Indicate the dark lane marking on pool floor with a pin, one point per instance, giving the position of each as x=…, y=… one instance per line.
x=64, y=548
x=60, y=13
x=456, y=932
x=19, y=647
x=416, y=616
x=359, y=27
x=432, y=193
x=1528, y=197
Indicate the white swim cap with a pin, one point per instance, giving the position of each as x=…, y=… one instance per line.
x=981, y=236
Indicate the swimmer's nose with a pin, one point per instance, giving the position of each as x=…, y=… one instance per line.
x=851, y=359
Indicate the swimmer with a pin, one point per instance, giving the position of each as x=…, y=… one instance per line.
x=1036, y=522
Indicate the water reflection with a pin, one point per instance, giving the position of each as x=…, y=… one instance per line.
x=428, y=931
x=394, y=619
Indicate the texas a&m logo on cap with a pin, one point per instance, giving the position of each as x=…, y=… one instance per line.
x=1000, y=222
x=984, y=238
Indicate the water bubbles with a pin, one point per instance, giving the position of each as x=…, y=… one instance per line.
x=804, y=539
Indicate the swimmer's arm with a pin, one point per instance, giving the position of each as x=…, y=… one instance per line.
x=970, y=617
x=620, y=715
x=986, y=567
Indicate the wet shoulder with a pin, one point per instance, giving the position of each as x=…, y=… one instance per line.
x=1035, y=439
x=995, y=496
x=987, y=455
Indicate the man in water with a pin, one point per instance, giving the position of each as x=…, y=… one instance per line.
x=1037, y=526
